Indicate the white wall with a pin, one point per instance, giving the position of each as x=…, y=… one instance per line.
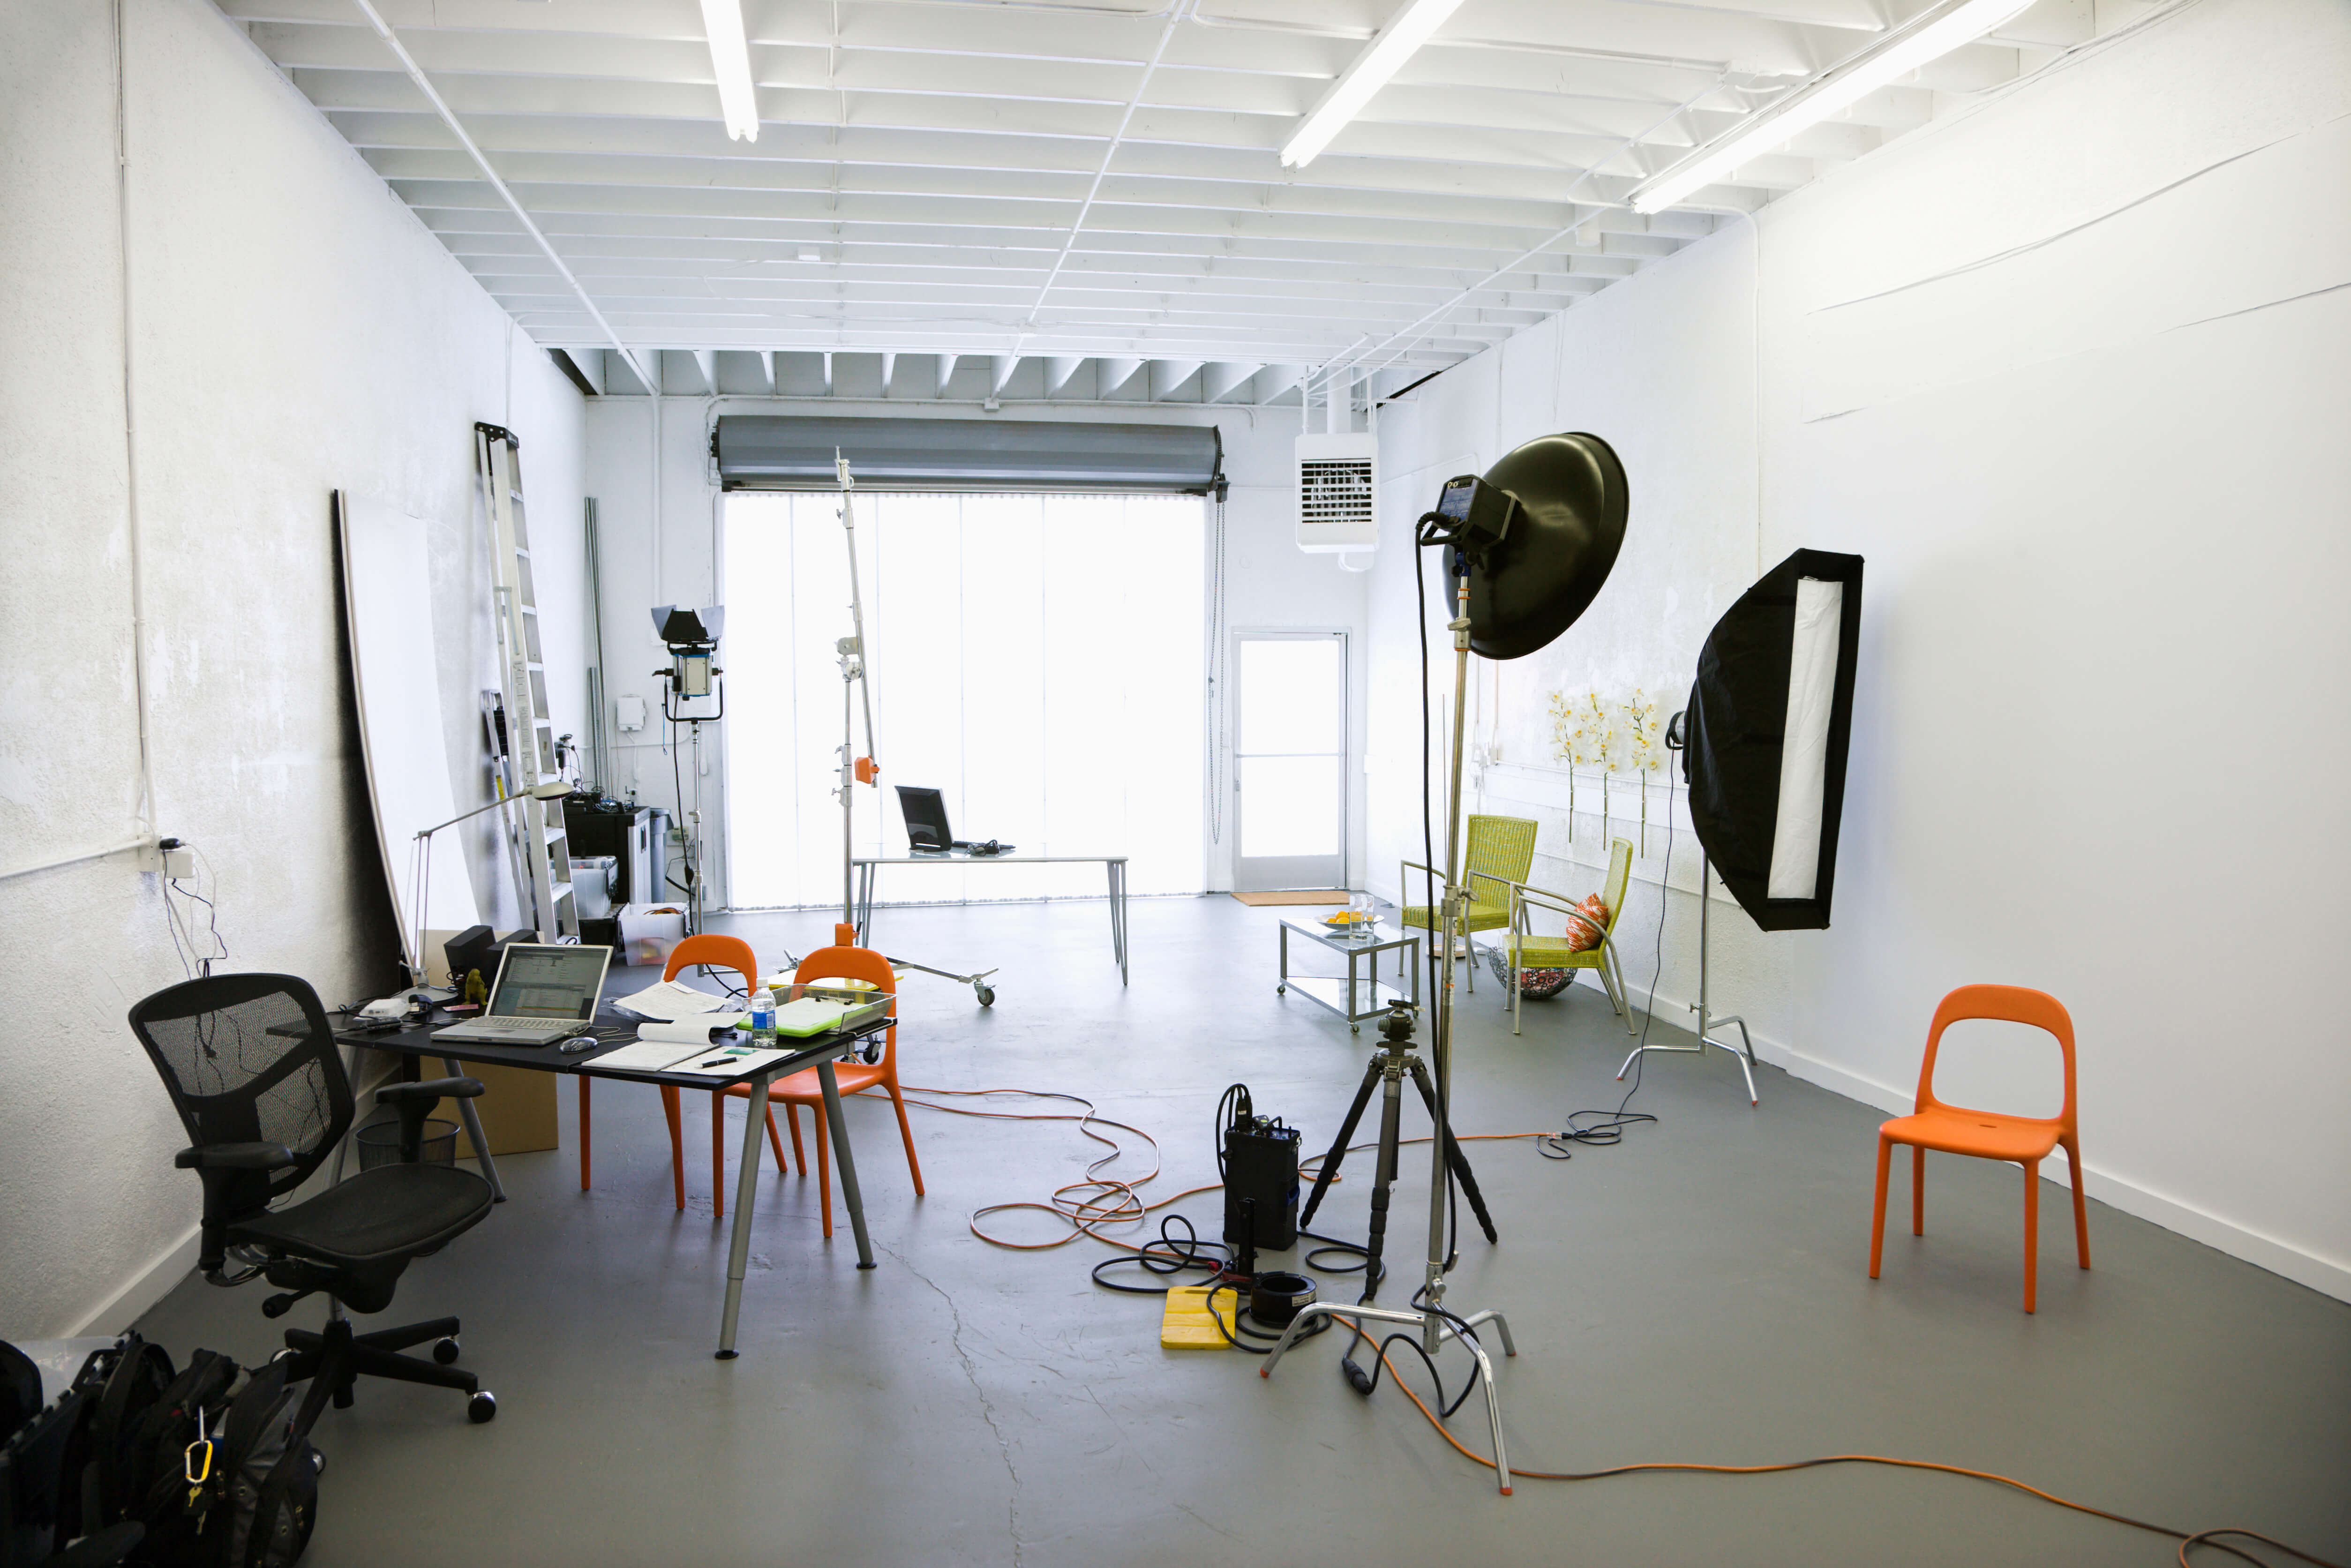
x=1270, y=583
x=294, y=329
x=2069, y=371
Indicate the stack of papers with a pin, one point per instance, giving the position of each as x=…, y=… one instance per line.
x=705, y=1059
x=673, y=999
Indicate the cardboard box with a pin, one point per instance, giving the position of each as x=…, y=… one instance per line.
x=518, y=1105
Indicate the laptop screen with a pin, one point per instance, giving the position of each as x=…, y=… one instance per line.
x=546, y=981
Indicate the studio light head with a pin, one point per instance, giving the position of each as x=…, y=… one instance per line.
x=1536, y=536
x=691, y=638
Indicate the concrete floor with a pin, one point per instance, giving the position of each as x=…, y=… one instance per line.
x=1696, y=1294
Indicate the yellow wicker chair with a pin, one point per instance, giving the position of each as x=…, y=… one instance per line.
x=1527, y=951
x=1499, y=853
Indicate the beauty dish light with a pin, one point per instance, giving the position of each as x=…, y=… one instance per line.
x=1374, y=68
x=1930, y=37
x=730, y=61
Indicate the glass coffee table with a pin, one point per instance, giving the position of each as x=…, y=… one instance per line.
x=1361, y=994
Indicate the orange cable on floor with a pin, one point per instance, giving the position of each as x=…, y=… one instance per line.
x=1110, y=1201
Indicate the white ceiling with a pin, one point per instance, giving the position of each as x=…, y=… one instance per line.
x=1012, y=195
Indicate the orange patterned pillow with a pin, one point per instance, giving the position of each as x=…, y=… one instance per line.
x=1584, y=934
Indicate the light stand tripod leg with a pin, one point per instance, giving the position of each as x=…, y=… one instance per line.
x=1328, y=1169
x=1307, y=1313
x=1383, y=1178
x=1453, y=1154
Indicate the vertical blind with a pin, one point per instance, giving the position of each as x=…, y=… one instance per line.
x=1036, y=658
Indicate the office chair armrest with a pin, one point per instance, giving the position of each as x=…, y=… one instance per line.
x=235, y=1158
x=431, y=1089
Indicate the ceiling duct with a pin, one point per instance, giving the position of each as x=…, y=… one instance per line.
x=782, y=451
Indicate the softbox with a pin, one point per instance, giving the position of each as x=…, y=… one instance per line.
x=1765, y=741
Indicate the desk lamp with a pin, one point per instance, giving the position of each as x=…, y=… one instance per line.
x=421, y=863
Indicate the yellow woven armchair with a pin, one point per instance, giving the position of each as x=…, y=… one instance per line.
x=1499, y=853
x=1523, y=950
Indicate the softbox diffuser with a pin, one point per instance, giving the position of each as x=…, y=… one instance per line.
x=1770, y=720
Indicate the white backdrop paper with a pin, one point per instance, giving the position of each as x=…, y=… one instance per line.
x=399, y=695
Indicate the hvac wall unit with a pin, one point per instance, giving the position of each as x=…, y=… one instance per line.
x=1338, y=481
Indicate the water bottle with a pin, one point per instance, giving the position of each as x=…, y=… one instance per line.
x=763, y=1015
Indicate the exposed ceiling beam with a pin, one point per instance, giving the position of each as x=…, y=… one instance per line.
x=416, y=74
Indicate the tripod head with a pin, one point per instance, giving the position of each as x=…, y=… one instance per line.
x=1396, y=1029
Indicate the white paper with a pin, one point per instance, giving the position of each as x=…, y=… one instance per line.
x=673, y=999
x=652, y=1056
x=688, y=1032
x=735, y=1066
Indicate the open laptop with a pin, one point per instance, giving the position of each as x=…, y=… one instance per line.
x=927, y=832
x=926, y=811
x=545, y=992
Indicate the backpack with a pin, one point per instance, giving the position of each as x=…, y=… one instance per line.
x=251, y=1501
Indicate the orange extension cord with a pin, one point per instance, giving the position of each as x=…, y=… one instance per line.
x=1104, y=1200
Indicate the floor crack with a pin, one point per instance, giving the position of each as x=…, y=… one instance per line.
x=987, y=1405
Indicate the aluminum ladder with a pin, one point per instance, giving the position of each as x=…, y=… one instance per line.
x=531, y=732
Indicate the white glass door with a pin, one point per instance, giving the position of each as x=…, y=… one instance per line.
x=1290, y=760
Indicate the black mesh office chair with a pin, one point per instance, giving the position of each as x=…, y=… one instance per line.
x=256, y=1077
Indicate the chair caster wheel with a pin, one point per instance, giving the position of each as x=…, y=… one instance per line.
x=1354, y=1029
x=482, y=1408
x=986, y=997
x=1281, y=990
x=444, y=1351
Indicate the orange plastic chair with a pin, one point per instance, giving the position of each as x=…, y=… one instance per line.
x=845, y=962
x=1987, y=1134
x=717, y=951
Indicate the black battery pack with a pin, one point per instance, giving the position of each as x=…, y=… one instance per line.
x=1260, y=1179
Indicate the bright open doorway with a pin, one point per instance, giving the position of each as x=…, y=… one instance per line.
x=1036, y=658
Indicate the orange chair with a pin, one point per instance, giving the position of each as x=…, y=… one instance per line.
x=1986, y=1135
x=841, y=961
x=717, y=951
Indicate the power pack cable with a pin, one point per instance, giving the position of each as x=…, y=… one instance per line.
x=2187, y=1538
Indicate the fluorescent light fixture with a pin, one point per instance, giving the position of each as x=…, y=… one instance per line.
x=1930, y=38
x=1372, y=71
x=730, y=59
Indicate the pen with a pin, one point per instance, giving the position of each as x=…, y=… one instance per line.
x=718, y=1061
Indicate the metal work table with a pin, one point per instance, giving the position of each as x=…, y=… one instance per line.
x=614, y=1030
x=1340, y=995
x=1115, y=865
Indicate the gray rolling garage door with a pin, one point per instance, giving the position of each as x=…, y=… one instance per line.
x=780, y=452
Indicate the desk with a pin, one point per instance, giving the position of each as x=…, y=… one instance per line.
x=1115, y=865
x=819, y=1051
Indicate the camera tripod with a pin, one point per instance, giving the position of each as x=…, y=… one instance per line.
x=1386, y=1072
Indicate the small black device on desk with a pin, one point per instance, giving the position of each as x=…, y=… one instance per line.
x=926, y=811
